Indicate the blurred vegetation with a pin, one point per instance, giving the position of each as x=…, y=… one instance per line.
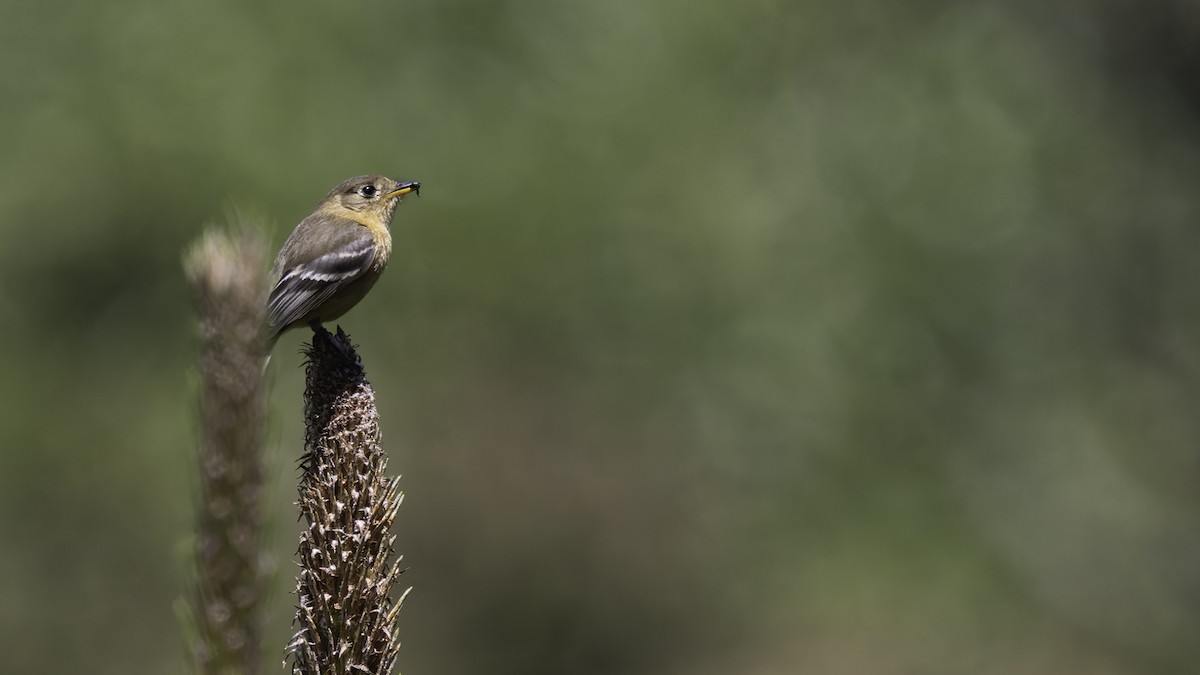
x=755, y=337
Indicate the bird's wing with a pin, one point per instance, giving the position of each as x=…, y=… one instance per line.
x=304, y=287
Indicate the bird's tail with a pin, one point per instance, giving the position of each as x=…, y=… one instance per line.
x=271, y=336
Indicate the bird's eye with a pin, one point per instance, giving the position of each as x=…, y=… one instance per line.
x=367, y=191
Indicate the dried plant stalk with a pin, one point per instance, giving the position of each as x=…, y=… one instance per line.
x=227, y=273
x=346, y=617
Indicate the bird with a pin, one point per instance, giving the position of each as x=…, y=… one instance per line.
x=335, y=255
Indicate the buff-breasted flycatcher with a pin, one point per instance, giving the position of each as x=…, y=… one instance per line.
x=335, y=255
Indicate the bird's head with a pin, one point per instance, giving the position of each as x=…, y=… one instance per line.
x=373, y=197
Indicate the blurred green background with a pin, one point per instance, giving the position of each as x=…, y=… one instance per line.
x=726, y=337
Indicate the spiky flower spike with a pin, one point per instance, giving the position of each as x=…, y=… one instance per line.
x=345, y=616
x=226, y=270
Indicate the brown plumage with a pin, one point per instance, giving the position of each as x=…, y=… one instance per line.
x=335, y=255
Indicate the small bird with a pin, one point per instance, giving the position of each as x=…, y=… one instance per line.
x=335, y=255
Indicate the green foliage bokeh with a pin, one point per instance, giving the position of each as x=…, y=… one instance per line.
x=725, y=337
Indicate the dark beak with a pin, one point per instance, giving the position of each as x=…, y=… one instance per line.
x=405, y=188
